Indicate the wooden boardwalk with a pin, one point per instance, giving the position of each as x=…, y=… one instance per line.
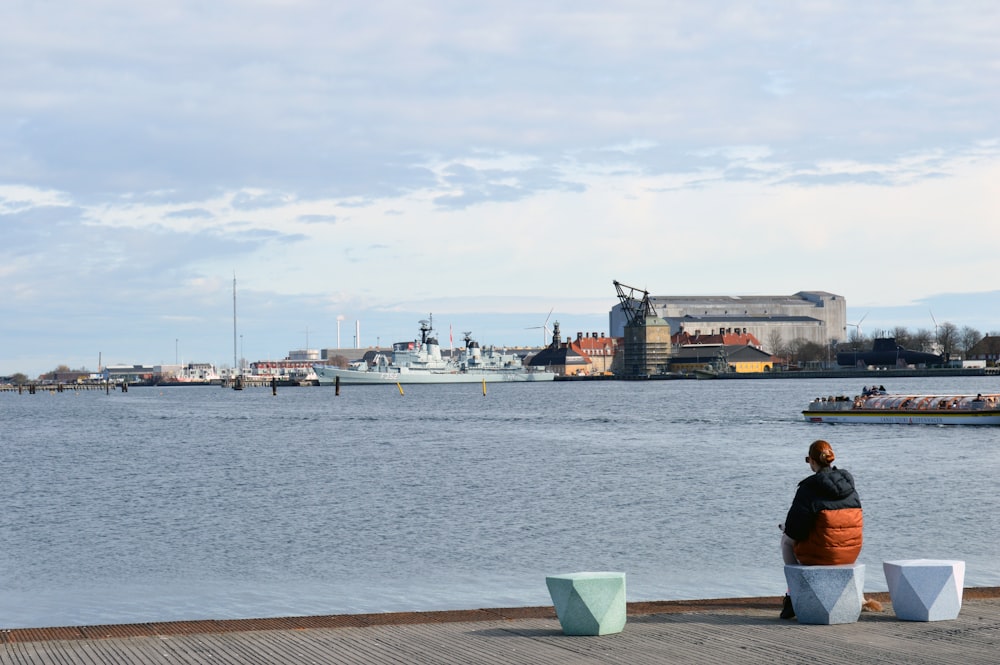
x=743, y=631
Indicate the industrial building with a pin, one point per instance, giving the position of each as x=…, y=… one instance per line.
x=812, y=316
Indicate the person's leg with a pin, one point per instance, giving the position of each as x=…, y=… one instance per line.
x=788, y=555
x=788, y=551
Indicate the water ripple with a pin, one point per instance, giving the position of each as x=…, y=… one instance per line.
x=191, y=503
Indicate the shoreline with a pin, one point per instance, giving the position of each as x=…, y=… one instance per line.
x=873, y=375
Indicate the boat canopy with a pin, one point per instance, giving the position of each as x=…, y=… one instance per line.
x=926, y=402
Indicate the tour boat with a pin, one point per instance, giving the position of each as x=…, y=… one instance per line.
x=877, y=406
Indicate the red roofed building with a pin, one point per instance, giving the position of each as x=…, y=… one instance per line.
x=589, y=353
x=683, y=338
x=599, y=348
x=738, y=351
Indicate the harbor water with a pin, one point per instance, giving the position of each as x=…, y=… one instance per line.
x=186, y=503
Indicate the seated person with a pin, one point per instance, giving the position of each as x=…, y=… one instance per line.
x=824, y=525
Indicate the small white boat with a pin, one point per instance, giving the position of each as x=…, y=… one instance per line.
x=882, y=407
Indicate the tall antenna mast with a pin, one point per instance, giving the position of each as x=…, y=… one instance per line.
x=234, y=321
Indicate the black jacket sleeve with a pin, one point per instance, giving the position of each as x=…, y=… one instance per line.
x=800, y=519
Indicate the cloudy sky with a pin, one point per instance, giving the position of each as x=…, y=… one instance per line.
x=489, y=163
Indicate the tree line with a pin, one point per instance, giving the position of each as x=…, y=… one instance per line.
x=19, y=378
x=946, y=339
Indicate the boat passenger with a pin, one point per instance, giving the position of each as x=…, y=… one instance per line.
x=824, y=524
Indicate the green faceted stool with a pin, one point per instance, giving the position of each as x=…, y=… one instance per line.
x=589, y=603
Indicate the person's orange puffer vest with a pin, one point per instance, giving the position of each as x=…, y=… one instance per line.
x=835, y=539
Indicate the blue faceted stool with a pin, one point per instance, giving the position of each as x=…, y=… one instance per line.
x=826, y=594
x=925, y=589
x=589, y=603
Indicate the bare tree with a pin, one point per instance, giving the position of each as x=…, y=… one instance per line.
x=339, y=361
x=807, y=351
x=968, y=338
x=922, y=340
x=775, y=345
x=947, y=337
x=831, y=352
x=793, y=350
x=856, y=339
x=902, y=336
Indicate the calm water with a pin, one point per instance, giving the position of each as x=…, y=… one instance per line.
x=187, y=503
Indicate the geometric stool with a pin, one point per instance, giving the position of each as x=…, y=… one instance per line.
x=589, y=603
x=826, y=594
x=925, y=589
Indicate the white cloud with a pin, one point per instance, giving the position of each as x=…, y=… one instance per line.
x=402, y=156
x=16, y=198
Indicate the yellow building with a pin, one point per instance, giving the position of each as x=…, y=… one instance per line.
x=722, y=358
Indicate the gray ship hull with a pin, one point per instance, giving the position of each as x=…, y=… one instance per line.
x=421, y=361
x=327, y=375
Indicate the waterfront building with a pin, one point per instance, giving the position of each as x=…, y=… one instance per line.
x=737, y=358
x=566, y=359
x=811, y=316
x=728, y=352
x=129, y=373
x=684, y=338
x=189, y=373
x=987, y=350
x=305, y=355
x=599, y=348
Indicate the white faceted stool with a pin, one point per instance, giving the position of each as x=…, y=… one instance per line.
x=925, y=589
x=589, y=603
x=826, y=594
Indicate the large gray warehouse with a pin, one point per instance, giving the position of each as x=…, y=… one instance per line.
x=812, y=316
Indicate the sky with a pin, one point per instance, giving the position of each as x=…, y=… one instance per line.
x=358, y=167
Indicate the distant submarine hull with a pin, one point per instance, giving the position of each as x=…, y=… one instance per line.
x=886, y=352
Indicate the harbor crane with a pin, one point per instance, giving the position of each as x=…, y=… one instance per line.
x=636, y=308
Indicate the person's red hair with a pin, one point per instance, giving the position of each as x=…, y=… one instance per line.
x=821, y=453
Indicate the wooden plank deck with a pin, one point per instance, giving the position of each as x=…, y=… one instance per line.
x=743, y=631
